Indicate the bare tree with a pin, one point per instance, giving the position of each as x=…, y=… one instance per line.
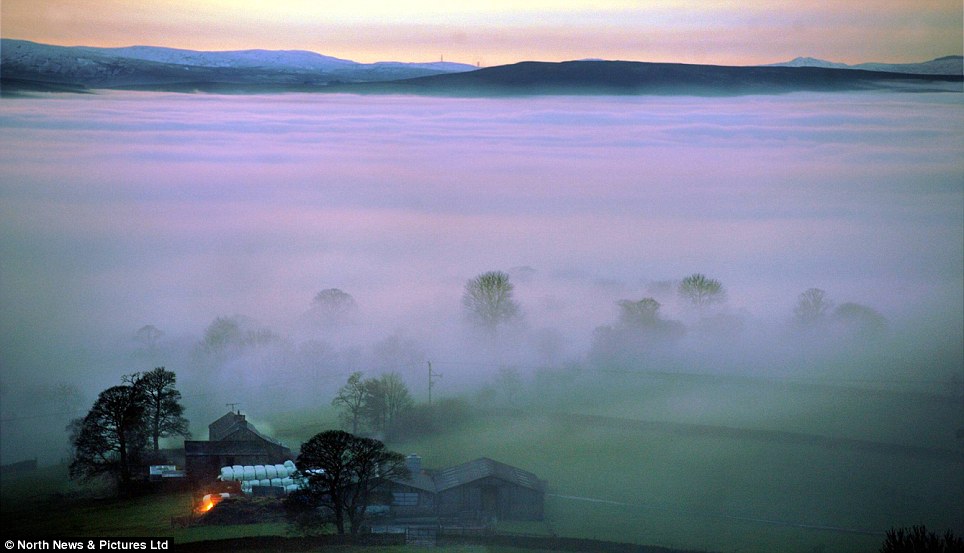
x=397, y=397
x=488, y=302
x=332, y=307
x=233, y=334
x=148, y=336
x=345, y=473
x=644, y=312
x=638, y=332
x=222, y=333
x=373, y=404
x=351, y=398
x=111, y=437
x=384, y=399
x=701, y=291
x=860, y=320
x=397, y=351
x=164, y=413
x=812, y=306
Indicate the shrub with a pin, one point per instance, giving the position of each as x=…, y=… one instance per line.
x=918, y=540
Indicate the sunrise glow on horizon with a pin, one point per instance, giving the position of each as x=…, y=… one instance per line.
x=499, y=32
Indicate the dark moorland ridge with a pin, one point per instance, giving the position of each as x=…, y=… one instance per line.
x=626, y=77
x=520, y=79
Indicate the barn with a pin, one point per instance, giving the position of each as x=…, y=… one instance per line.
x=232, y=440
x=486, y=489
x=479, y=490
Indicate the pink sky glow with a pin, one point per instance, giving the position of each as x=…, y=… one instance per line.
x=499, y=32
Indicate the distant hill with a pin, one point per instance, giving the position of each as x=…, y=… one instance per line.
x=29, y=66
x=624, y=77
x=42, y=66
x=947, y=65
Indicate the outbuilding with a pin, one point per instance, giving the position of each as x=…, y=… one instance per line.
x=481, y=490
x=232, y=441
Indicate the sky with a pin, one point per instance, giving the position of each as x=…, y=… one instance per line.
x=504, y=31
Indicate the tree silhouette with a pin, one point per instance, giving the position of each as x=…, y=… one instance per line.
x=812, y=306
x=487, y=300
x=644, y=312
x=860, y=320
x=333, y=307
x=111, y=437
x=149, y=336
x=345, y=472
x=164, y=412
x=701, y=291
x=351, y=399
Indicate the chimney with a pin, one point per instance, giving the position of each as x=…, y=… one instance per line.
x=414, y=464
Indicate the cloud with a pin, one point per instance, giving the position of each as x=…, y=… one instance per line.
x=498, y=32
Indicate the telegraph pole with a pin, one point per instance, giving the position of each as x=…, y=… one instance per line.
x=431, y=382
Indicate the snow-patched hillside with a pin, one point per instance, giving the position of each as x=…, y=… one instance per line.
x=150, y=66
x=947, y=65
x=292, y=59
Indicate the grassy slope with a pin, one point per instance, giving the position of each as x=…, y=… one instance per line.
x=700, y=491
x=662, y=487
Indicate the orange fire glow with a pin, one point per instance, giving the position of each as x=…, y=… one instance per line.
x=208, y=503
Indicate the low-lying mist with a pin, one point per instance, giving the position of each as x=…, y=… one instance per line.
x=195, y=231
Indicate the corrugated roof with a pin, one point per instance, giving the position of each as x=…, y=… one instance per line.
x=453, y=477
x=483, y=468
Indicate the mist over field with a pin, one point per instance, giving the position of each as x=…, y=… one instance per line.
x=122, y=210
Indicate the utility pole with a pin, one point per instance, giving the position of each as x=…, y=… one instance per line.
x=431, y=382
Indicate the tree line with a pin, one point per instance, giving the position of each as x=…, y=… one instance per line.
x=125, y=425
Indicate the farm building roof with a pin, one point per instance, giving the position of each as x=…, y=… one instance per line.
x=437, y=481
x=483, y=468
x=227, y=427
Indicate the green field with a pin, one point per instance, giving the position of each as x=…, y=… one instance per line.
x=890, y=460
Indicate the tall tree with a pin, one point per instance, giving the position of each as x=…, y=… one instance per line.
x=164, y=413
x=488, y=301
x=351, y=400
x=148, y=336
x=644, y=312
x=397, y=397
x=701, y=291
x=385, y=399
x=860, y=320
x=222, y=333
x=344, y=473
x=111, y=437
x=638, y=332
x=812, y=306
x=373, y=404
x=232, y=334
x=332, y=307
x=398, y=350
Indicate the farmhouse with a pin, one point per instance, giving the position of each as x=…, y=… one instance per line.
x=480, y=490
x=232, y=440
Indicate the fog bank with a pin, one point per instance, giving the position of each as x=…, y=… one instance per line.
x=121, y=210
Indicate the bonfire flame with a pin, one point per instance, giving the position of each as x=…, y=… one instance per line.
x=208, y=503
